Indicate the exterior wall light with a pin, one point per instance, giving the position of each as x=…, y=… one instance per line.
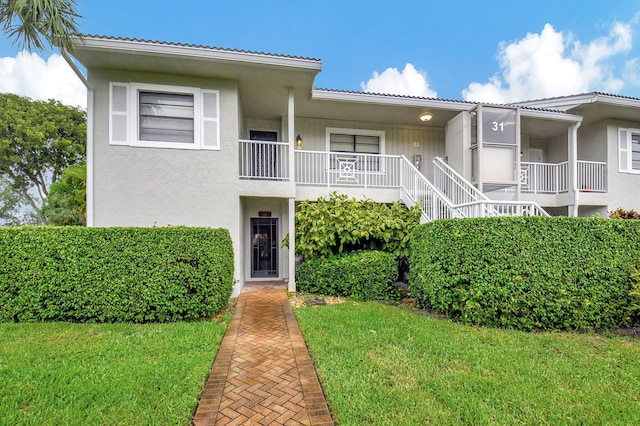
x=298, y=142
x=426, y=116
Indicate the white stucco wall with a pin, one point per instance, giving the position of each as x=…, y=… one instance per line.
x=458, y=135
x=139, y=186
x=624, y=188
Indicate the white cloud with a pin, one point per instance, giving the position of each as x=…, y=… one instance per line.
x=551, y=64
x=29, y=75
x=409, y=82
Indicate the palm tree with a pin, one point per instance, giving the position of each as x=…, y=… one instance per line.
x=32, y=24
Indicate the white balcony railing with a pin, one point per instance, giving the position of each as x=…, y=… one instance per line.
x=264, y=160
x=347, y=169
x=544, y=178
x=553, y=178
x=592, y=176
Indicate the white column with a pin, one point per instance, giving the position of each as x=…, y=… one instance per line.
x=292, y=200
x=292, y=245
x=573, y=168
x=291, y=135
x=90, y=166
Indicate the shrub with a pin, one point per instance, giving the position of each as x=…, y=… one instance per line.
x=527, y=272
x=326, y=227
x=360, y=275
x=113, y=274
x=621, y=213
x=634, y=294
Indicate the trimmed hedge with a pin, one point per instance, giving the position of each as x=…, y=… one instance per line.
x=359, y=275
x=527, y=272
x=113, y=274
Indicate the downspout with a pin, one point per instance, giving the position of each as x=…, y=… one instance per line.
x=90, y=107
x=573, y=146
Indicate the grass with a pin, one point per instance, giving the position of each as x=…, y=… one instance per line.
x=386, y=365
x=107, y=374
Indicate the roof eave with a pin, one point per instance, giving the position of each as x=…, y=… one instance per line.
x=158, y=49
x=385, y=99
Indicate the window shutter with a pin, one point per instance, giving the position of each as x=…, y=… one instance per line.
x=119, y=111
x=210, y=119
x=624, y=150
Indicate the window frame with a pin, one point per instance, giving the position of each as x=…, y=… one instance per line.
x=625, y=147
x=356, y=132
x=132, y=115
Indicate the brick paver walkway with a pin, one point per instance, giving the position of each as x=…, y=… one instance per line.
x=263, y=373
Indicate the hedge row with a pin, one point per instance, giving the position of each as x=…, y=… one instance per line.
x=360, y=275
x=527, y=272
x=113, y=274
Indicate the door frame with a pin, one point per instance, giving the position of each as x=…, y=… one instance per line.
x=265, y=255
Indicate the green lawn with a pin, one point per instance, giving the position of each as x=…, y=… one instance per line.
x=107, y=374
x=384, y=365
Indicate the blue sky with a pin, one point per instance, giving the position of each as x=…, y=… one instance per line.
x=489, y=50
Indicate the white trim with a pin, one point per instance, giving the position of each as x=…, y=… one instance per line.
x=141, y=47
x=124, y=114
x=626, y=146
x=204, y=119
x=355, y=132
x=132, y=116
x=134, y=135
x=384, y=99
x=90, y=161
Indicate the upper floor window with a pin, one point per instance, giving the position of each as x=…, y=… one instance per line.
x=629, y=150
x=163, y=116
x=356, y=141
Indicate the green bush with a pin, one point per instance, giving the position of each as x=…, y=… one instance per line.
x=113, y=274
x=634, y=294
x=527, y=272
x=360, y=275
x=326, y=227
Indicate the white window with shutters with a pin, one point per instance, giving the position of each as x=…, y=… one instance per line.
x=159, y=116
x=629, y=150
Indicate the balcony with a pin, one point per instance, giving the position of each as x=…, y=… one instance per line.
x=553, y=178
x=333, y=169
x=262, y=160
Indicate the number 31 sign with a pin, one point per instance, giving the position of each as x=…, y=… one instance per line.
x=499, y=125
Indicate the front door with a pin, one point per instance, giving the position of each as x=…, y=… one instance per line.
x=264, y=156
x=264, y=247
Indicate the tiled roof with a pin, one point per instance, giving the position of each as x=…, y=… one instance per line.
x=355, y=92
x=554, y=98
x=198, y=46
x=617, y=96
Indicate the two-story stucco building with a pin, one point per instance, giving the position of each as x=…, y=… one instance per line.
x=203, y=136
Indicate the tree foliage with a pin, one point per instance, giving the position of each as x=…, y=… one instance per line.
x=38, y=140
x=66, y=203
x=340, y=224
x=32, y=24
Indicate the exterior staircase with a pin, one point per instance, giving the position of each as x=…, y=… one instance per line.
x=452, y=196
